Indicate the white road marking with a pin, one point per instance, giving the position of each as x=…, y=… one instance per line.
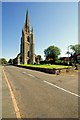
x=62, y=89
x=17, y=111
x=24, y=72
x=29, y=74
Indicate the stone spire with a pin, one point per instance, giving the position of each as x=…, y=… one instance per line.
x=27, y=24
x=27, y=18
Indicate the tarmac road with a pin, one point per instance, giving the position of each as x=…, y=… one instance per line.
x=42, y=95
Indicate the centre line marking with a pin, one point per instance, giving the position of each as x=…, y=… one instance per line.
x=17, y=111
x=24, y=72
x=62, y=89
x=31, y=75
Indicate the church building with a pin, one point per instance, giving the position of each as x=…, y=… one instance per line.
x=27, y=52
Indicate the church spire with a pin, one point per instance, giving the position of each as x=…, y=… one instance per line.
x=27, y=18
x=27, y=24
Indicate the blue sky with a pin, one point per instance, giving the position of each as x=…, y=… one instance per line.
x=1, y=29
x=54, y=23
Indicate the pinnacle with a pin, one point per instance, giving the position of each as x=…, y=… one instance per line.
x=32, y=30
x=27, y=14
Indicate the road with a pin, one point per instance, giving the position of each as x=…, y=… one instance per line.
x=42, y=95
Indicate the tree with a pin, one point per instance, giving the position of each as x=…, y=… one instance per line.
x=10, y=61
x=75, y=48
x=52, y=53
x=38, y=59
x=75, y=51
x=3, y=61
x=68, y=52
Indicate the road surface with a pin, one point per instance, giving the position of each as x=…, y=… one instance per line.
x=42, y=95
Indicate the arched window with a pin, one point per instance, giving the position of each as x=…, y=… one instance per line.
x=28, y=53
x=28, y=39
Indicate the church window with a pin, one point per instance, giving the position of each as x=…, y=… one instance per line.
x=28, y=39
x=28, y=53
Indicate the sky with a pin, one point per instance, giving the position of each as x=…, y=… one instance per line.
x=79, y=22
x=54, y=23
x=1, y=29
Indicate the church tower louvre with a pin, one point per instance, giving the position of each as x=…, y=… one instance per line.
x=27, y=55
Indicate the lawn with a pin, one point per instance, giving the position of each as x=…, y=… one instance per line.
x=46, y=66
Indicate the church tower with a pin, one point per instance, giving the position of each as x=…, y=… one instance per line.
x=27, y=55
x=26, y=41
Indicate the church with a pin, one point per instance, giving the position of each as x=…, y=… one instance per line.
x=27, y=51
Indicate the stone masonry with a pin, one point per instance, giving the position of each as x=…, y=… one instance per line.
x=27, y=54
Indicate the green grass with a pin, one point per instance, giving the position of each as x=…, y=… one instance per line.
x=46, y=66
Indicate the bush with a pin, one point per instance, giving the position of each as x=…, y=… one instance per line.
x=58, y=62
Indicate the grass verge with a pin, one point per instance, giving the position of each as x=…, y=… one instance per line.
x=46, y=66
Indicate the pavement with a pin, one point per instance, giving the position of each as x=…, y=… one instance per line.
x=40, y=95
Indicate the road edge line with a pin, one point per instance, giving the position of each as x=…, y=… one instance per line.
x=17, y=111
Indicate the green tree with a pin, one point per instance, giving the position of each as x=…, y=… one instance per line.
x=10, y=61
x=38, y=59
x=3, y=61
x=73, y=55
x=52, y=53
x=75, y=48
